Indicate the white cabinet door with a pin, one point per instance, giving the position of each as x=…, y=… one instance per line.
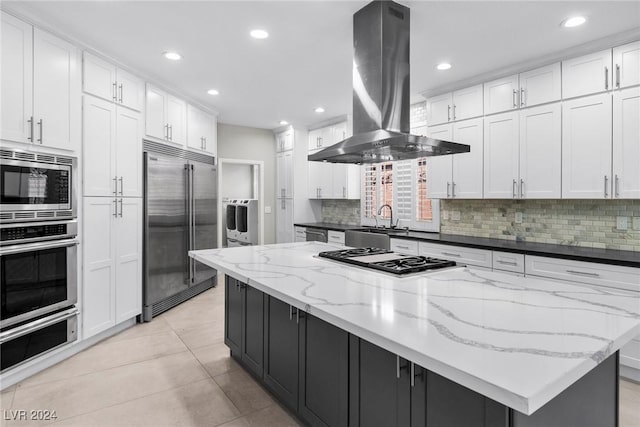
x=98, y=77
x=339, y=181
x=353, y=182
x=339, y=132
x=195, y=128
x=128, y=259
x=325, y=182
x=177, y=119
x=501, y=156
x=467, y=103
x=314, y=139
x=211, y=135
x=16, y=80
x=439, y=168
x=284, y=174
x=439, y=109
x=155, y=123
x=98, y=295
x=540, y=152
x=334, y=236
x=587, y=74
x=626, y=143
x=326, y=137
x=540, y=86
x=315, y=174
x=284, y=221
x=467, y=167
x=586, y=147
x=626, y=63
x=130, y=90
x=501, y=95
x=128, y=143
x=99, y=134
x=55, y=78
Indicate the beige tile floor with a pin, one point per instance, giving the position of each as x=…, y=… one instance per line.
x=173, y=371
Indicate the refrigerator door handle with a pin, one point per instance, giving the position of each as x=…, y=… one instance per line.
x=188, y=220
x=192, y=227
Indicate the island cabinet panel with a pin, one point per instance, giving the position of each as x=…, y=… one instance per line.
x=324, y=373
x=233, y=316
x=281, y=351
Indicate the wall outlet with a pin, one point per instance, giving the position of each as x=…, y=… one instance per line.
x=455, y=215
x=518, y=218
x=636, y=223
x=267, y=209
x=621, y=223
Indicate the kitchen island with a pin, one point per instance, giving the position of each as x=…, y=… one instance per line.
x=345, y=346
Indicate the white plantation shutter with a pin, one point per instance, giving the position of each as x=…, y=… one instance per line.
x=404, y=200
x=369, y=194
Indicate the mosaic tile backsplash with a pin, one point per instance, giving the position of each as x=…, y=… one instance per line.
x=341, y=211
x=588, y=223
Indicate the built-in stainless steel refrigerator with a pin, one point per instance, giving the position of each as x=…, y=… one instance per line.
x=180, y=202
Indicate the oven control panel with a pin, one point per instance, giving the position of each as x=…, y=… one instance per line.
x=35, y=232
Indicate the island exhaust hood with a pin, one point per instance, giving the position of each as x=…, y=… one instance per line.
x=381, y=93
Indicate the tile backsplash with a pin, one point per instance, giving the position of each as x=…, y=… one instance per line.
x=588, y=223
x=341, y=211
x=418, y=113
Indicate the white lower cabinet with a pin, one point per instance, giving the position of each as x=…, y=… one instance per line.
x=460, y=254
x=300, y=234
x=404, y=246
x=335, y=237
x=509, y=262
x=626, y=144
x=284, y=218
x=112, y=254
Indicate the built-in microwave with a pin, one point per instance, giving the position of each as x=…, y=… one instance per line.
x=36, y=186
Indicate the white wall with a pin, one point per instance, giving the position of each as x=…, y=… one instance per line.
x=240, y=142
x=237, y=181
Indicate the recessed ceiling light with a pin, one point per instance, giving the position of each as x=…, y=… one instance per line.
x=284, y=122
x=574, y=21
x=443, y=66
x=259, y=34
x=319, y=110
x=174, y=56
x=213, y=92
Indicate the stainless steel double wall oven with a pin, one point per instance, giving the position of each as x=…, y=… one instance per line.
x=38, y=254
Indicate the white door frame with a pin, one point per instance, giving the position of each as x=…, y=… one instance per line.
x=260, y=194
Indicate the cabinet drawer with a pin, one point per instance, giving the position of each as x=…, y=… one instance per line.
x=630, y=354
x=584, y=272
x=462, y=255
x=335, y=237
x=508, y=262
x=300, y=231
x=404, y=246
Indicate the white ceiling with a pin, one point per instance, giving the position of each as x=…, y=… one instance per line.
x=306, y=61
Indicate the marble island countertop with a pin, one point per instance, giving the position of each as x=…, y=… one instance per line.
x=518, y=340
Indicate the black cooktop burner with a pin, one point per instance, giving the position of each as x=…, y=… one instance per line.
x=391, y=262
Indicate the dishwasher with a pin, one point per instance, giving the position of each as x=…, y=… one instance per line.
x=316, y=235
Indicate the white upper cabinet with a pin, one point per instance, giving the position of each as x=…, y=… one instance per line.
x=284, y=141
x=345, y=181
x=626, y=143
x=540, y=152
x=166, y=116
x=284, y=174
x=501, y=95
x=320, y=180
x=587, y=74
x=340, y=132
x=467, y=103
x=501, y=153
x=201, y=130
x=16, y=80
x=439, y=168
x=459, y=105
x=439, y=109
x=105, y=80
x=321, y=138
x=540, y=86
x=586, y=147
x=129, y=152
x=467, y=167
x=626, y=62
x=40, y=87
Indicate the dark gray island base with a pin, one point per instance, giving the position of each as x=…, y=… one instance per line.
x=329, y=377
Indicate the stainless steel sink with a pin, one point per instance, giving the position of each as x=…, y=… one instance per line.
x=391, y=231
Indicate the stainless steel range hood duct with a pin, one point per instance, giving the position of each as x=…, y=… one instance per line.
x=381, y=93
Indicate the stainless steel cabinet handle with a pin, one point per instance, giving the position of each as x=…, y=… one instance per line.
x=499, y=261
x=397, y=366
x=515, y=92
x=617, y=75
x=448, y=117
x=606, y=78
x=606, y=186
x=453, y=189
x=319, y=193
x=290, y=312
x=521, y=188
x=166, y=131
x=448, y=185
x=115, y=91
x=115, y=208
x=513, y=188
x=37, y=325
x=170, y=132
x=115, y=185
x=122, y=186
x=41, y=137
x=30, y=121
x=283, y=204
x=402, y=247
x=205, y=143
x=522, y=98
x=120, y=87
x=583, y=273
x=120, y=208
x=14, y=249
x=413, y=372
x=451, y=254
x=617, y=185
x=454, y=111
x=298, y=316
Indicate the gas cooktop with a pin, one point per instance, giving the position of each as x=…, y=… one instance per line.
x=386, y=260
